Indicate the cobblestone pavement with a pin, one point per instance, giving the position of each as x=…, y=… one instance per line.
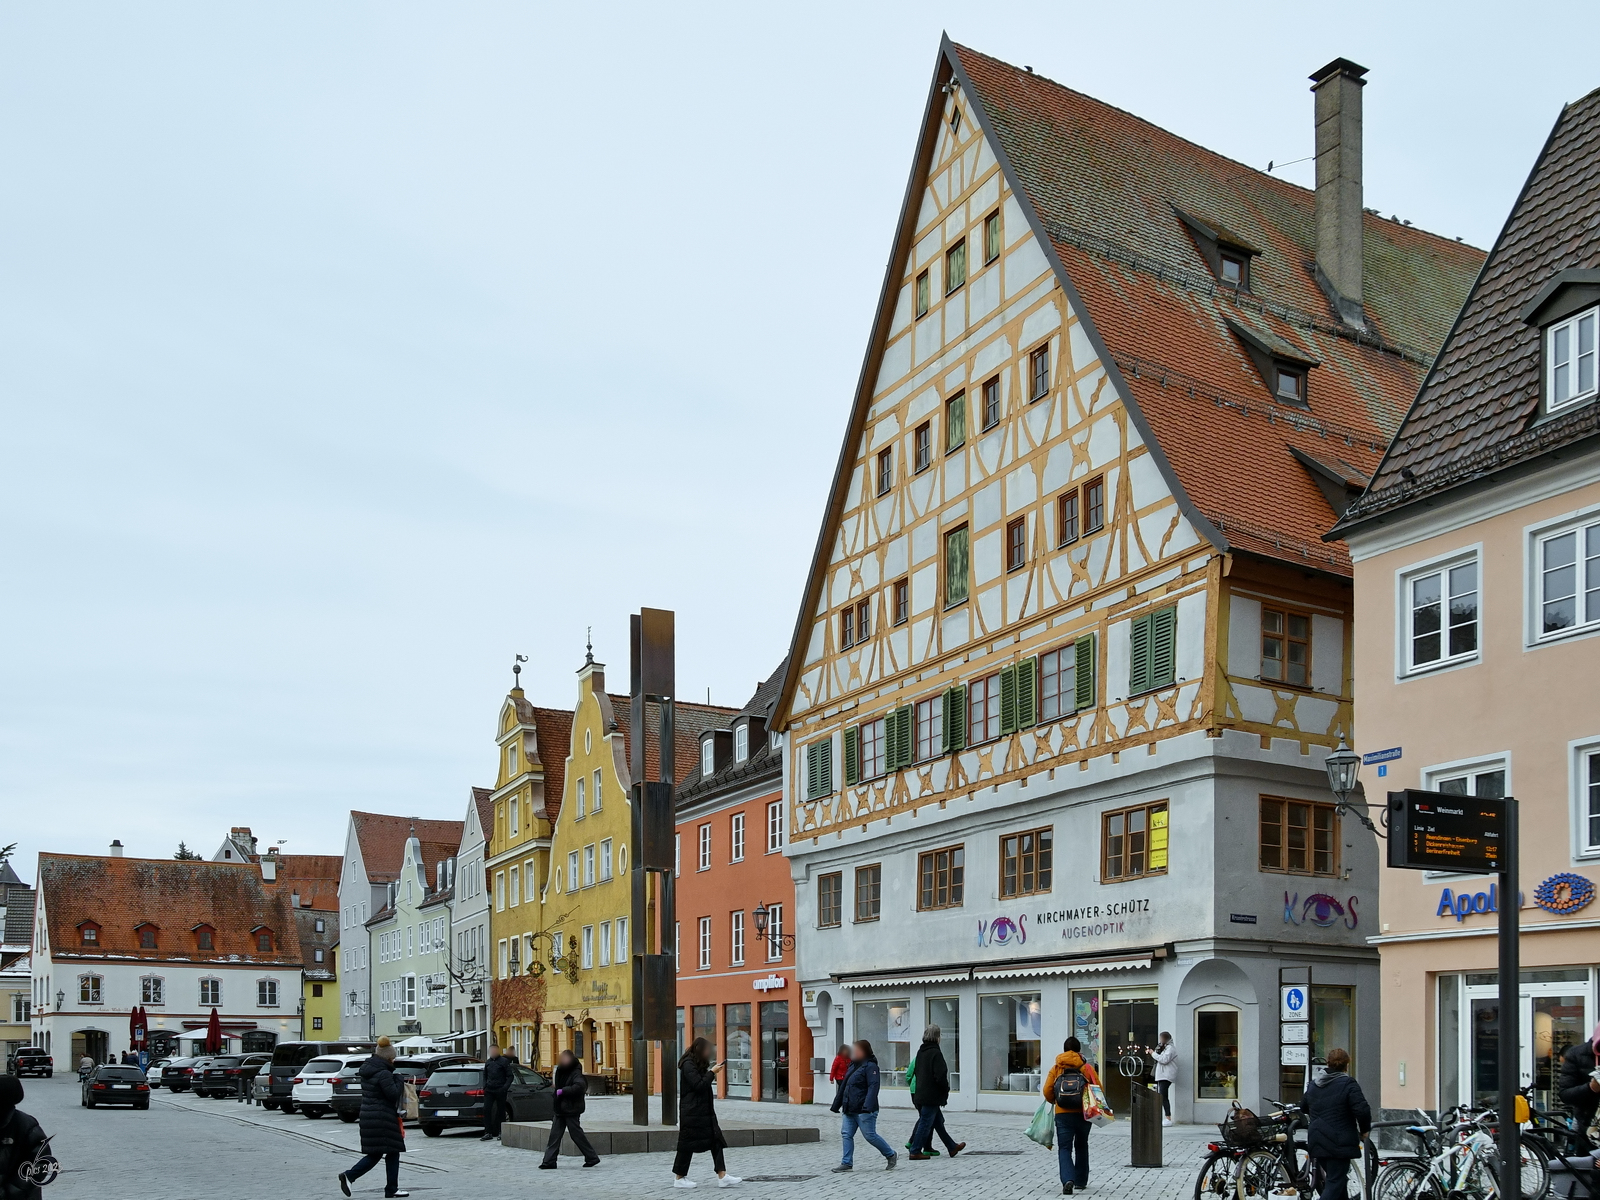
x=185, y=1148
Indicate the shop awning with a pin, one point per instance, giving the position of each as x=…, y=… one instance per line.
x=904, y=980
x=1068, y=967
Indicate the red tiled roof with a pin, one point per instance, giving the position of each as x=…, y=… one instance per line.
x=485, y=806
x=313, y=877
x=1106, y=186
x=383, y=843
x=120, y=894
x=689, y=721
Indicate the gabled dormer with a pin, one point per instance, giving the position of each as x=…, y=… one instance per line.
x=147, y=935
x=264, y=939
x=89, y=934
x=205, y=937
x=1226, y=254
x=716, y=748
x=1283, y=367
x=1566, y=312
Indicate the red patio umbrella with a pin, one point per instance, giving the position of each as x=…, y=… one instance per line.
x=214, y=1034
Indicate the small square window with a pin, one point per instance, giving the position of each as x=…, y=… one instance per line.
x=902, y=601
x=955, y=422
x=1039, y=373
x=1067, y=517
x=1094, y=506
x=941, y=878
x=830, y=899
x=955, y=267
x=1233, y=269
x=1286, y=647
x=991, y=236
x=1291, y=385
x=1443, y=606
x=991, y=402
x=922, y=442
x=922, y=295
x=1017, y=544
x=863, y=620
x=885, y=471
x=869, y=892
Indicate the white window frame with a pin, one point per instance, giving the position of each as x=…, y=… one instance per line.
x=582, y=809
x=1579, y=753
x=704, y=857
x=1433, y=776
x=266, y=993
x=513, y=816
x=1405, y=577
x=216, y=990
x=511, y=759
x=1538, y=536
x=572, y=871
x=624, y=951
x=741, y=742
x=774, y=932
x=775, y=827
x=605, y=943
x=514, y=885
x=736, y=924
x=607, y=860
x=594, y=800
x=153, y=989
x=705, y=943
x=1572, y=324
x=588, y=865
x=708, y=756
x=530, y=889
x=586, y=947
x=736, y=837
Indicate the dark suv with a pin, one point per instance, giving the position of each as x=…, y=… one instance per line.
x=413, y=1069
x=30, y=1060
x=230, y=1074
x=454, y=1096
x=289, y=1057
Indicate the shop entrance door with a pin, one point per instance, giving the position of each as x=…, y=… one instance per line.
x=1127, y=1027
x=1550, y=1018
x=775, y=1051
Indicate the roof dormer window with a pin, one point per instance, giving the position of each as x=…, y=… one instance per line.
x=1570, y=352
x=147, y=936
x=91, y=933
x=708, y=756
x=741, y=741
x=1291, y=384
x=1235, y=268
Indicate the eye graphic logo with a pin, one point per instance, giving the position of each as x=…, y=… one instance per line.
x=1320, y=909
x=1564, y=893
x=1003, y=931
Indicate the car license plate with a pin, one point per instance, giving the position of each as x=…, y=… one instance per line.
x=124, y=1086
x=447, y=1112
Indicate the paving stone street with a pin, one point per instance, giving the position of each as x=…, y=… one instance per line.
x=185, y=1148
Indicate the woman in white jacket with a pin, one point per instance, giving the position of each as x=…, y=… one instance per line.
x=1166, y=1056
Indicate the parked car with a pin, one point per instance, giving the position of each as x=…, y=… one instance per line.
x=226, y=1075
x=152, y=1075
x=31, y=1060
x=289, y=1057
x=454, y=1096
x=313, y=1086
x=113, y=1083
x=414, y=1069
x=178, y=1074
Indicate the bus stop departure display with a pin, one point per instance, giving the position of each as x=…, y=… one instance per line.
x=1431, y=831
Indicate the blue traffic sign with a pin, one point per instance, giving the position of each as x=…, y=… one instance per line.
x=1293, y=1003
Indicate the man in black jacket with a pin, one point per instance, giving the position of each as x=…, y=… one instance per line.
x=20, y=1142
x=383, y=1129
x=496, y=1082
x=930, y=1093
x=1339, y=1117
x=1578, y=1088
x=569, y=1104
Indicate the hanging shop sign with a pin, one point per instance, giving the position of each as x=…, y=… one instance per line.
x=771, y=983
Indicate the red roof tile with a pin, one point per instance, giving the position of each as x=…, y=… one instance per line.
x=383, y=843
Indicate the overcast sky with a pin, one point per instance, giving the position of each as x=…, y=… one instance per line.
x=347, y=350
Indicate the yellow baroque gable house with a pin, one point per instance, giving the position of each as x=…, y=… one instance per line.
x=557, y=872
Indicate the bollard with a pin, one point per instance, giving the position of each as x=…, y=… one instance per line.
x=1144, y=1125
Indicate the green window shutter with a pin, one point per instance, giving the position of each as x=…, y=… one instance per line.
x=1139, y=655
x=813, y=756
x=1163, y=646
x=1083, y=671
x=825, y=771
x=1027, y=693
x=905, y=751
x=1008, y=699
x=955, y=719
x=852, y=755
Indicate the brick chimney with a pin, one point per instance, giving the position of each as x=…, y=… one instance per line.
x=1337, y=88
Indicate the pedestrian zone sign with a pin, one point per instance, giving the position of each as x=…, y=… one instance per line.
x=1293, y=1002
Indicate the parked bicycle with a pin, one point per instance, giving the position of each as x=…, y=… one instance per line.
x=1458, y=1159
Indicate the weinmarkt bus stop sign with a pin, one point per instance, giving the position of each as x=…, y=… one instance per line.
x=1431, y=831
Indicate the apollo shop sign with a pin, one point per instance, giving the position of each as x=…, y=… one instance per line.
x=1563, y=893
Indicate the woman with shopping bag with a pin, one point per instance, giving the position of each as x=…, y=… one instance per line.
x=1073, y=1087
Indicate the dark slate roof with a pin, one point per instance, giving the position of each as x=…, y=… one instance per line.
x=1477, y=410
x=763, y=764
x=1108, y=189
x=19, y=900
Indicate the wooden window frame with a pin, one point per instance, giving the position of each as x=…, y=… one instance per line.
x=863, y=621
x=927, y=738
x=991, y=403
x=922, y=448
x=1094, y=505
x=873, y=752
x=1027, y=872
x=1109, y=874
x=837, y=907
x=1283, y=808
x=1296, y=375
x=956, y=253
x=847, y=626
x=1038, y=358
x=944, y=566
x=884, y=477
x=924, y=295
x=1067, y=521
x=1283, y=635
x=868, y=886
x=989, y=700
x=902, y=601
x=949, y=891
x=1017, y=543
x=954, y=403
x=992, y=234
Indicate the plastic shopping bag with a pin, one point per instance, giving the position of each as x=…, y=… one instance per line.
x=1095, y=1109
x=1042, y=1128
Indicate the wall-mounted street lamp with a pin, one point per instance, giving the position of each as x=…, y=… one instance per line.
x=61, y=999
x=1344, y=769
x=777, y=940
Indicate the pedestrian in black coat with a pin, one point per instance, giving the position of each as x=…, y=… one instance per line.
x=698, y=1130
x=1578, y=1088
x=496, y=1082
x=1339, y=1117
x=571, y=1087
x=20, y=1141
x=383, y=1134
x=930, y=1094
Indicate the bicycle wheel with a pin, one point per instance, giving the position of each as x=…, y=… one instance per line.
x=1405, y=1179
x=1216, y=1178
x=1262, y=1176
x=1535, y=1174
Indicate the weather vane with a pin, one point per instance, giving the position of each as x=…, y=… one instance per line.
x=516, y=670
x=588, y=645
